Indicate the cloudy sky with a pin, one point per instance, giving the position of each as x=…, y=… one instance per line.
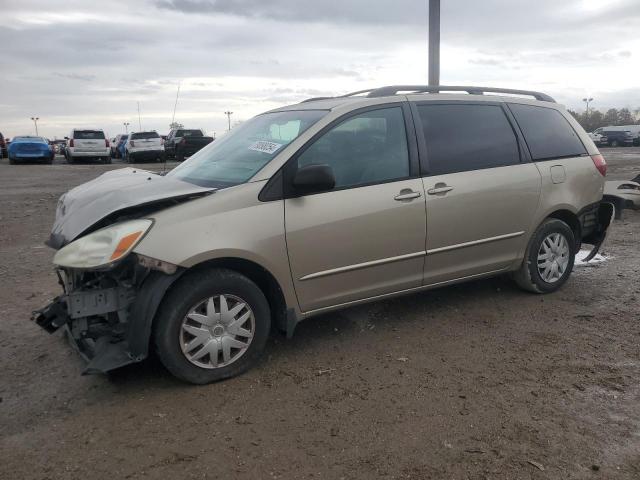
x=87, y=63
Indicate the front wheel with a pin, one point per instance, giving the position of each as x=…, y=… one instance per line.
x=549, y=258
x=212, y=325
x=615, y=143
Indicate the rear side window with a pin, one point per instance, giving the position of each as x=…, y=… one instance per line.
x=144, y=135
x=88, y=135
x=467, y=137
x=547, y=133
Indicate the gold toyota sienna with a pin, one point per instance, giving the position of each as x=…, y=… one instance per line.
x=319, y=206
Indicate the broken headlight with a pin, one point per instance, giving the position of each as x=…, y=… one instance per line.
x=103, y=247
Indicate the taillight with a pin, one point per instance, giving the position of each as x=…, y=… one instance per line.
x=106, y=142
x=71, y=142
x=131, y=144
x=600, y=163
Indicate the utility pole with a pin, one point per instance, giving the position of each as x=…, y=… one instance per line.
x=35, y=121
x=126, y=127
x=587, y=101
x=434, y=42
x=228, y=114
x=139, y=121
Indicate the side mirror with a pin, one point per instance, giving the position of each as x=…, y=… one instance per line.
x=314, y=178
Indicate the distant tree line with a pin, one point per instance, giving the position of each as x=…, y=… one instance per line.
x=596, y=119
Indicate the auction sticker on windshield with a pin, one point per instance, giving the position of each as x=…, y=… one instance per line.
x=265, y=147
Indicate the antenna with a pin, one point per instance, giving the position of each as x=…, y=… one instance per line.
x=175, y=106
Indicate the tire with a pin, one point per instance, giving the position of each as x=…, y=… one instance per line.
x=528, y=276
x=106, y=160
x=127, y=157
x=179, y=156
x=12, y=161
x=193, y=290
x=615, y=143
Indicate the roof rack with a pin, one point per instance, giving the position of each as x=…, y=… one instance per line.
x=395, y=89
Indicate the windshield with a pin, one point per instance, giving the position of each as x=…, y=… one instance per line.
x=242, y=152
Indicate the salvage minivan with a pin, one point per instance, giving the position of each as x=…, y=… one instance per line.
x=319, y=206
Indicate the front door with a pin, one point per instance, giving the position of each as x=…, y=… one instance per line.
x=366, y=237
x=481, y=194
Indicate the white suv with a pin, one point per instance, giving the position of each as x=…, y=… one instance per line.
x=87, y=144
x=143, y=146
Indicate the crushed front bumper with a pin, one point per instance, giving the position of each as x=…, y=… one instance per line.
x=595, y=225
x=110, y=323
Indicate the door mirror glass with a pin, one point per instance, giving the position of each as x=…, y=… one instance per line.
x=314, y=178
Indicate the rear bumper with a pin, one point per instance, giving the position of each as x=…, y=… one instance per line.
x=93, y=154
x=146, y=154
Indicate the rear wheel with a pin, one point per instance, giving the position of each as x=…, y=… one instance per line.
x=212, y=325
x=549, y=258
x=615, y=143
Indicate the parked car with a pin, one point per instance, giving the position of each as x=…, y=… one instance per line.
x=318, y=206
x=141, y=146
x=598, y=138
x=117, y=142
x=3, y=147
x=623, y=194
x=634, y=130
x=28, y=148
x=87, y=144
x=182, y=143
x=616, y=137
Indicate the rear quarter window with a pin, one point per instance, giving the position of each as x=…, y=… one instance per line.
x=547, y=133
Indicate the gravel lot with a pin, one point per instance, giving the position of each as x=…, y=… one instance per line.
x=476, y=381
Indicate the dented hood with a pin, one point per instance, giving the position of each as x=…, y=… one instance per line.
x=116, y=191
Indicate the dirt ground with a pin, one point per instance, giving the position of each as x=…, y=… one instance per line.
x=476, y=381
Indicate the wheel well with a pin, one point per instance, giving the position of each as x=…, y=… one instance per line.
x=572, y=220
x=261, y=277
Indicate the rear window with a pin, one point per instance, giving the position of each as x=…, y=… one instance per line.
x=88, y=135
x=467, y=137
x=547, y=133
x=143, y=135
x=189, y=133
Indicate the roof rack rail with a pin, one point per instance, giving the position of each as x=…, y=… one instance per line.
x=359, y=92
x=394, y=89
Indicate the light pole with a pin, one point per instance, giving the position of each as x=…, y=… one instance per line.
x=228, y=113
x=587, y=101
x=434, y=42
x=35, y=121
x=126, y=127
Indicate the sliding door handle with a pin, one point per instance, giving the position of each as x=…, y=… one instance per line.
x=440, y=188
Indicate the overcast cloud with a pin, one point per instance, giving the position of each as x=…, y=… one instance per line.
x=88, y=63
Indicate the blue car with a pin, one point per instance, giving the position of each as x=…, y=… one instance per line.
x=24, y=149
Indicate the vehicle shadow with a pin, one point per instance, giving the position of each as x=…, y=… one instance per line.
x=388, y=317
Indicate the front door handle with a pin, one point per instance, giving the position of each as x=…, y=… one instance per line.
x=439, y=189
x=407, y=194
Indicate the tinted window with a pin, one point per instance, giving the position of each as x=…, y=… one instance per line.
x=143, y=135
x=467, y=137
x=547, y=133
x=88, y=134
x=367, y=148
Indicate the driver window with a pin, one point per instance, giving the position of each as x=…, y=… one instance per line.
x=367, y=148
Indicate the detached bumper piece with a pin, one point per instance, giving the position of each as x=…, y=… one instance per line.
x=600, y=224
x=53, y=316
